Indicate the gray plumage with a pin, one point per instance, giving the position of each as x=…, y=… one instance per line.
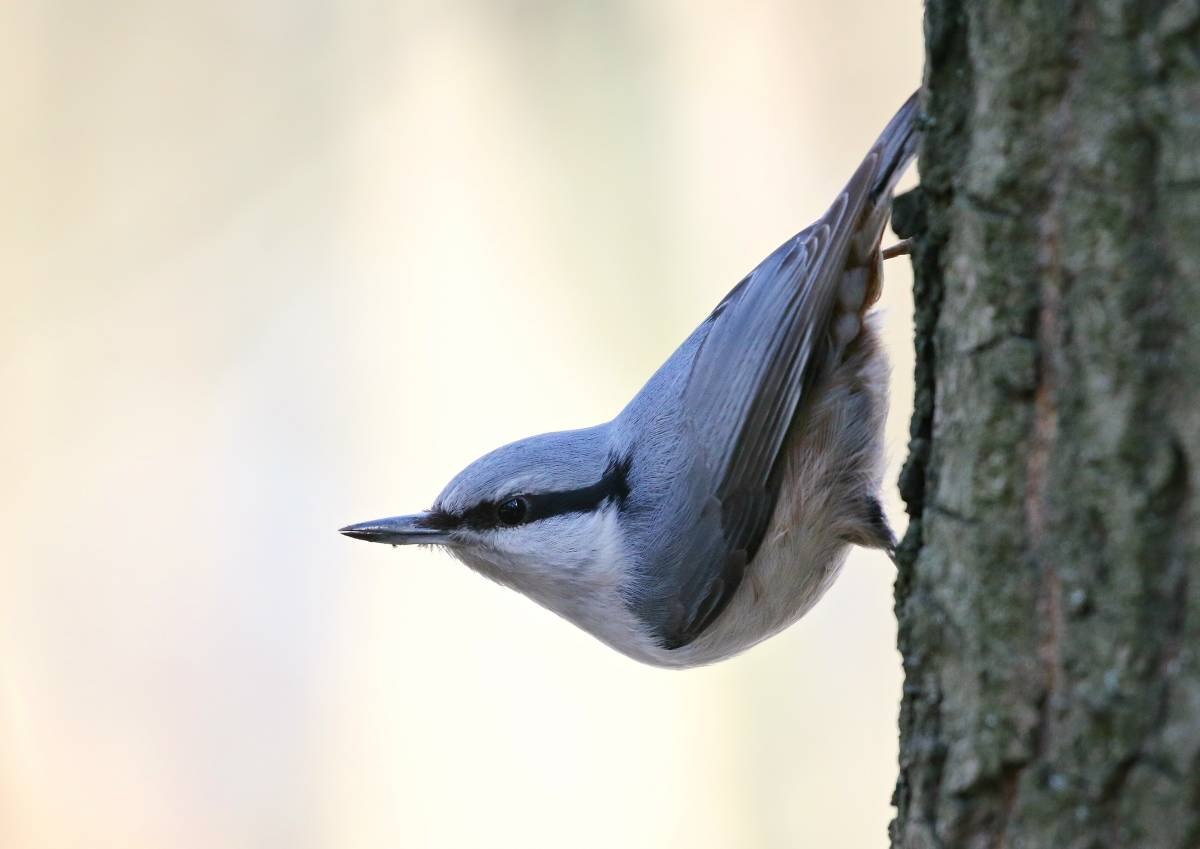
x=718, y=506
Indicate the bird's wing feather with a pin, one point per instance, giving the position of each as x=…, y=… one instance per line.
x=748, y=378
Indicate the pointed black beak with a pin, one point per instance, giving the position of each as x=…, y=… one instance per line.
x=398, y=530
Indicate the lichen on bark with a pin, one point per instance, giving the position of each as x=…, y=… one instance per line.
x=1049, y=586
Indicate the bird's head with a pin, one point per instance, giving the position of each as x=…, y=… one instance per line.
x=541, y=515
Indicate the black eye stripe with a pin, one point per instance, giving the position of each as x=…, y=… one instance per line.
x=440, y=520
x=613, y=484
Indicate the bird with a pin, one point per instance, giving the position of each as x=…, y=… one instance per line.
x=719, y=505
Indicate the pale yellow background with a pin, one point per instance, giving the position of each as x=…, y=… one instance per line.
x=270, y=267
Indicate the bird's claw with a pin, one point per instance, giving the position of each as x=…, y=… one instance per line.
x=902, y=247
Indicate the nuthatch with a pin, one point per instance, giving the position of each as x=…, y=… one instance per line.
x=719, y=505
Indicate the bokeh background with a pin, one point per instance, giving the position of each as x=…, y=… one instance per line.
x=270, y=267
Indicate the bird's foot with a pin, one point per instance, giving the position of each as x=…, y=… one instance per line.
x=902, y=247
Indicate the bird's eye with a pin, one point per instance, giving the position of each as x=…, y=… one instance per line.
x=512, y=512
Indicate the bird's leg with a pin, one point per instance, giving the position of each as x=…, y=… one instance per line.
x=902, y=247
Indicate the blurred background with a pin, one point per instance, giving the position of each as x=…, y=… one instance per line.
x=271, y=267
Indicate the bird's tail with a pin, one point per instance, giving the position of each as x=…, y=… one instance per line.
x=887, y=161
x=896, y=146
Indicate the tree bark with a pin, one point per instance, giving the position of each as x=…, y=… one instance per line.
x=1049, y=586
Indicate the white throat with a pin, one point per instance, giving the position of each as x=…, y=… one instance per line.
x=573, y=565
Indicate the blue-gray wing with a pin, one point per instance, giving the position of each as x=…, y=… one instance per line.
x=766, y=342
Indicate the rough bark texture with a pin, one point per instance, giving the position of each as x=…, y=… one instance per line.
x=1049, y=588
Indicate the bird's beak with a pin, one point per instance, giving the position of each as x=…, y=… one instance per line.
x=398, y=530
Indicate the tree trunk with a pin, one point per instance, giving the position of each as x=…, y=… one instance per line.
x=1049, y=585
